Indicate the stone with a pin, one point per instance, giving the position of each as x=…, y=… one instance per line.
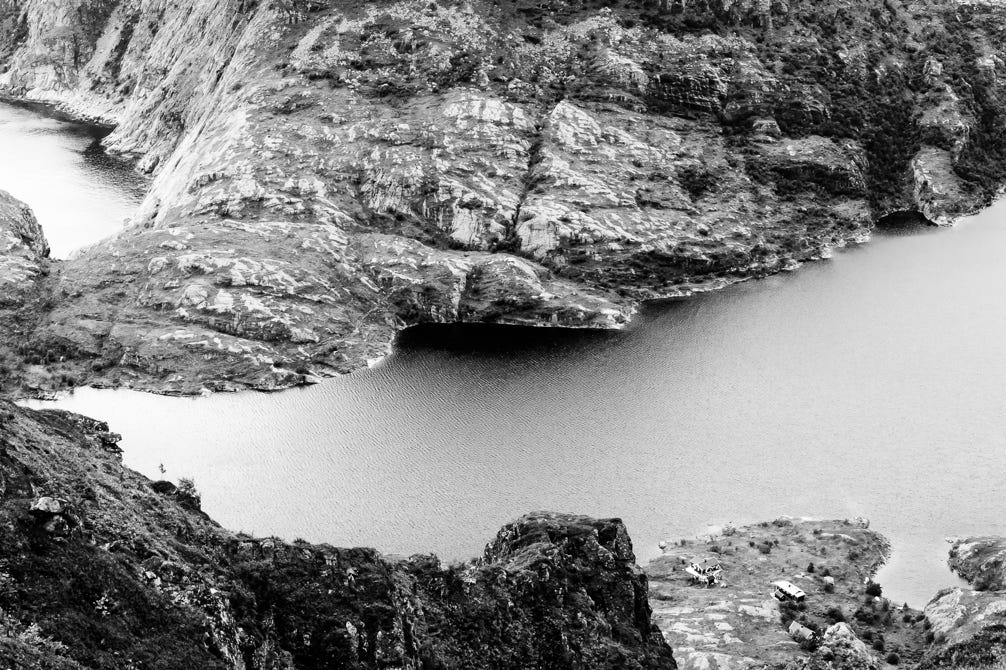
x=49, y=506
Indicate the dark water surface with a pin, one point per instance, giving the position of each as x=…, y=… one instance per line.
x=871, y=384
x=79, y=194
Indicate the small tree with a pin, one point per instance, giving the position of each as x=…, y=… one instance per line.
x=188, y=494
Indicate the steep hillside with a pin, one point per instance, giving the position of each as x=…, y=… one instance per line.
x=101, y=568
x=330, y=173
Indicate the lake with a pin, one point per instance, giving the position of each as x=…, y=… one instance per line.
x=871, y=384
x=79, y=194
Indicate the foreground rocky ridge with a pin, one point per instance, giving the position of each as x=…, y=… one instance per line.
x=101, y=568
x=328, y=174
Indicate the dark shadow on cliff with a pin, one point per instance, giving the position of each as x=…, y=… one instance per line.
x=494, y=339
x=901, y=224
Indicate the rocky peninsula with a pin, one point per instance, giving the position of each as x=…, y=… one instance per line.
x=327, y=174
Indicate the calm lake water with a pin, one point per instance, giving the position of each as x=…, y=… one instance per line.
x=871, y=384
x=78, y=193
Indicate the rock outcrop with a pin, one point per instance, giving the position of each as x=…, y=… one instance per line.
x=101, y=568
x=968, y=627
x=981, y=561
x=330, y=173
x=737, y=623
x=24, y=272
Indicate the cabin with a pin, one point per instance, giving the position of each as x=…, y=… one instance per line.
x=703, y=574
x=801, y=633
x=785, y=591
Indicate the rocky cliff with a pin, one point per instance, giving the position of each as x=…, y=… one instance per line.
x=101, y=568
x=330, y=173
x=968, y=627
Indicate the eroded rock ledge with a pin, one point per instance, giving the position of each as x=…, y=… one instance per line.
x=330, y=173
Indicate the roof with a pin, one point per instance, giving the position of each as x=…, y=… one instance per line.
x=789, y=588
x=797, y=629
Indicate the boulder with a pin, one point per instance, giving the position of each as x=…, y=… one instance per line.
x=49, y=506
x=981, y=561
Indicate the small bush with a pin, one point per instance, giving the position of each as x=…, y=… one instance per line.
x=873, y=589
x=810, y=568
x=188, y=494
x=836, y=614
x=893, y=659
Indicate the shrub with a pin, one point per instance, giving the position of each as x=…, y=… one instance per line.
x=836, y=614
x=810, y=568
x=873, y=589
x=893, y=659
x=865, y=616
x=188, y=494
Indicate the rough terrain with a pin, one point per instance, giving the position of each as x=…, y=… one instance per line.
x=969, y=626
x=102, y=568
x=328, y=174
x=738, y=624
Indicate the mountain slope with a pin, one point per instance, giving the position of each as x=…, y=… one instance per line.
x=330, y=173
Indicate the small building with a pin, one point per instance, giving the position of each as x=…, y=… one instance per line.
x=703, y=574
x=786, y=591
x=800, y=633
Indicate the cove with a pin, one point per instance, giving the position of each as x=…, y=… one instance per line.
x=869, y=384
x=79, y=194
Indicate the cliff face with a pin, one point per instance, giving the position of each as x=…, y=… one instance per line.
x=968, y=627
x=329, y=173
x=101, y=568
